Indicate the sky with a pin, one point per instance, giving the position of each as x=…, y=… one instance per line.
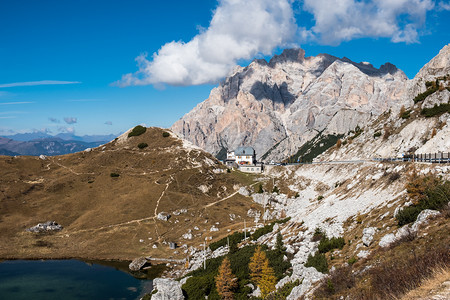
x=104, y=66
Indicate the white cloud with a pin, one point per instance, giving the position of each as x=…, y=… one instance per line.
x=70, y=120
x=344, y=20
x=444, y=5
x=15, y=103
x=239, y=29
x=32, y=83
x=54, y=120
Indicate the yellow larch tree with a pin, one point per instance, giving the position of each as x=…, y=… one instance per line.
x=268, y=280
x=226, y=282
x=256, y=264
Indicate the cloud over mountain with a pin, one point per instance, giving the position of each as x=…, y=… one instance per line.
x=243, y=29
x=343, y=20
x=239, y=29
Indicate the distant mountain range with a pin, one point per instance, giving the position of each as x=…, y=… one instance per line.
x=41, y=143
x=26, y=137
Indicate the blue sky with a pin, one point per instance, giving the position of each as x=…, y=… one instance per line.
x=70, y=65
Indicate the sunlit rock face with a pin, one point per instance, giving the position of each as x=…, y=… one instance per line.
x=281, y=104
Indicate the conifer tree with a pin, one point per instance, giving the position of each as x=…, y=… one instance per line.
x=268, y=280
x=225, y=280
x=256, y=264
x=279, y=245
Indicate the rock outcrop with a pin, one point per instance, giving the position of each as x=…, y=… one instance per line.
x=279, y=105
x=167, y=289
x=48, y=226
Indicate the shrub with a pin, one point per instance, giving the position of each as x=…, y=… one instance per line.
x=320, y=197
x=234, y=238
x=327, y=244
x=405, y=114
x=142, y=145
x=318, y=261
x=138, y=130
x=262, y=231
x=284, y=291
x=114, y=174
x=428, y=92
x=377, y=134
x=436, y=110
x=318, y=235
x=352, y=260
x=435, y=197
x=165, y=134
x=259, y=189
x=275, y=190
x=393, y=177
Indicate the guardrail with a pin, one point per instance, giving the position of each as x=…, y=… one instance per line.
x=439, y=158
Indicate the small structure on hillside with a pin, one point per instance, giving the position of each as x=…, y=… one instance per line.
x=244, y=159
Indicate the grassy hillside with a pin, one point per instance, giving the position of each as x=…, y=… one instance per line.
x=107, y=200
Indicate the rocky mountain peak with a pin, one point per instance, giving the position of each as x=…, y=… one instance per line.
x=278, y=106
x=288, y=55
x=438, y=66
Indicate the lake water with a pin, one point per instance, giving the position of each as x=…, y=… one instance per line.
x=68, y=279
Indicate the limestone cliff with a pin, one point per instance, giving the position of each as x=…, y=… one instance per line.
x=279, y=105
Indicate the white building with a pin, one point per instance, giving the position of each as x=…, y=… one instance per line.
x=244, y=158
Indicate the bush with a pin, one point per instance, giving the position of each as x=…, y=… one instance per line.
x=352, y=260
x=327, y=244
x=436, y=110
x=422, y=96
x=436, y=197
x=165, y=134
x=138, y=130
x=393, y=177
x=284, y=291
x=114, y=174
x=318, y=261
x=259, y=189
x=234, y=238
x=275, y=190
x=142, y=145
x=377, y=134
x=320, y=197
x=405, y=114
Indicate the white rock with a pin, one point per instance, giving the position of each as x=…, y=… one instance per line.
x=387, y=240
x=214, y=228
x=423, y=218
x=363, y=253
x=368, y=235
x=244, y=191
x=167, y=289
x=187, y=236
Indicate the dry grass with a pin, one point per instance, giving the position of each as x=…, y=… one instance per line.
x=436, y=286
x=104, y=217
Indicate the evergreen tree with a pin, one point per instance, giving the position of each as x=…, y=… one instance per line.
x=225, y=280
x=279, y=247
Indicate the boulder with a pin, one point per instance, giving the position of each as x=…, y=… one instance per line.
x=244, y=191
x=368, y=235
x=45, y=227
x=387, y=240
x=167, y=289
x=163, y=216
x=137, y=263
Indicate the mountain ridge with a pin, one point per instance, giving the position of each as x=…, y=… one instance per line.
x=288, y=100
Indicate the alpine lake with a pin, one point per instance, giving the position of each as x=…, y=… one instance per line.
x=73, y=279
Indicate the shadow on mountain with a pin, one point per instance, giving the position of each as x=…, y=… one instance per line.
x=278, y=94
